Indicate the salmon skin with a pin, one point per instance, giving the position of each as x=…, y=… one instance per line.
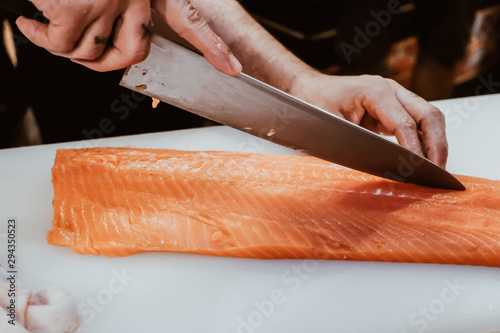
x=122, y=201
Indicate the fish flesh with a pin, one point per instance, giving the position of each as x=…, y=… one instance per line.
x=122, y=201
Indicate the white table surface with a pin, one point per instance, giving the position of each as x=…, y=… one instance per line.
x=167, y=292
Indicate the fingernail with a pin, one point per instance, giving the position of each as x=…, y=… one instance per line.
x=235, y=64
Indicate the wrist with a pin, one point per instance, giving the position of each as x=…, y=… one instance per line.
x=305, y=83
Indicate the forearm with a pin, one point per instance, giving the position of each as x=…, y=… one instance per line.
x=261, y=55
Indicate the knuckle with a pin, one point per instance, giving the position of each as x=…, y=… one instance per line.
x=445, y=151
x=444, y=148
x=137, y=54
x=373, y=78
x=374, y=85
x=90, y=54
x=436, y=113
x=366, y=79
x=391, y=82
x=440, y=148
x=373, y=93
x=191, y=14
x=191, y=21
x=61, y=47
x=408, y=123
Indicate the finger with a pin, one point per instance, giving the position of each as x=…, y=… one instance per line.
x=372, y=124
x=94, y=40
x=131, y=41
x=384, y=106
x=431, y=123
x=57, y=37
x=184, y=19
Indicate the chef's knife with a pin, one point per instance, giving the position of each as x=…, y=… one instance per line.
x=183, y=78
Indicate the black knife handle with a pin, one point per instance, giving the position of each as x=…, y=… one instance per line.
x=20, y=7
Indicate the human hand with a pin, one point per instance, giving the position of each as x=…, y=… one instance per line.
x=106, y=35
x=381, y=105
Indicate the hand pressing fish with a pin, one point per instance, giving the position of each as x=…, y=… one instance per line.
x=51, y=310
x=121, y=201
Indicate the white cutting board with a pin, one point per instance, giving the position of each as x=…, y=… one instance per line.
x=165, y=292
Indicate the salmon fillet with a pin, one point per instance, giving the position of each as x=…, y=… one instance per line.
x=122, y=201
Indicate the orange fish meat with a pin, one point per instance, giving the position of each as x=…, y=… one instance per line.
x=122, y=201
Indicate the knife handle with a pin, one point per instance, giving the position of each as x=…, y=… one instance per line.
x=22, y=7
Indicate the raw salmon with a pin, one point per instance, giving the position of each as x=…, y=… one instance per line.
x=121, y=201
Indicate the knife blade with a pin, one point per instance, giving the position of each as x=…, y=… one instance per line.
x=183, y=78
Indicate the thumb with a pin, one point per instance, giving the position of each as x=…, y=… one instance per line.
x=185, y=20
x=28, y=26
